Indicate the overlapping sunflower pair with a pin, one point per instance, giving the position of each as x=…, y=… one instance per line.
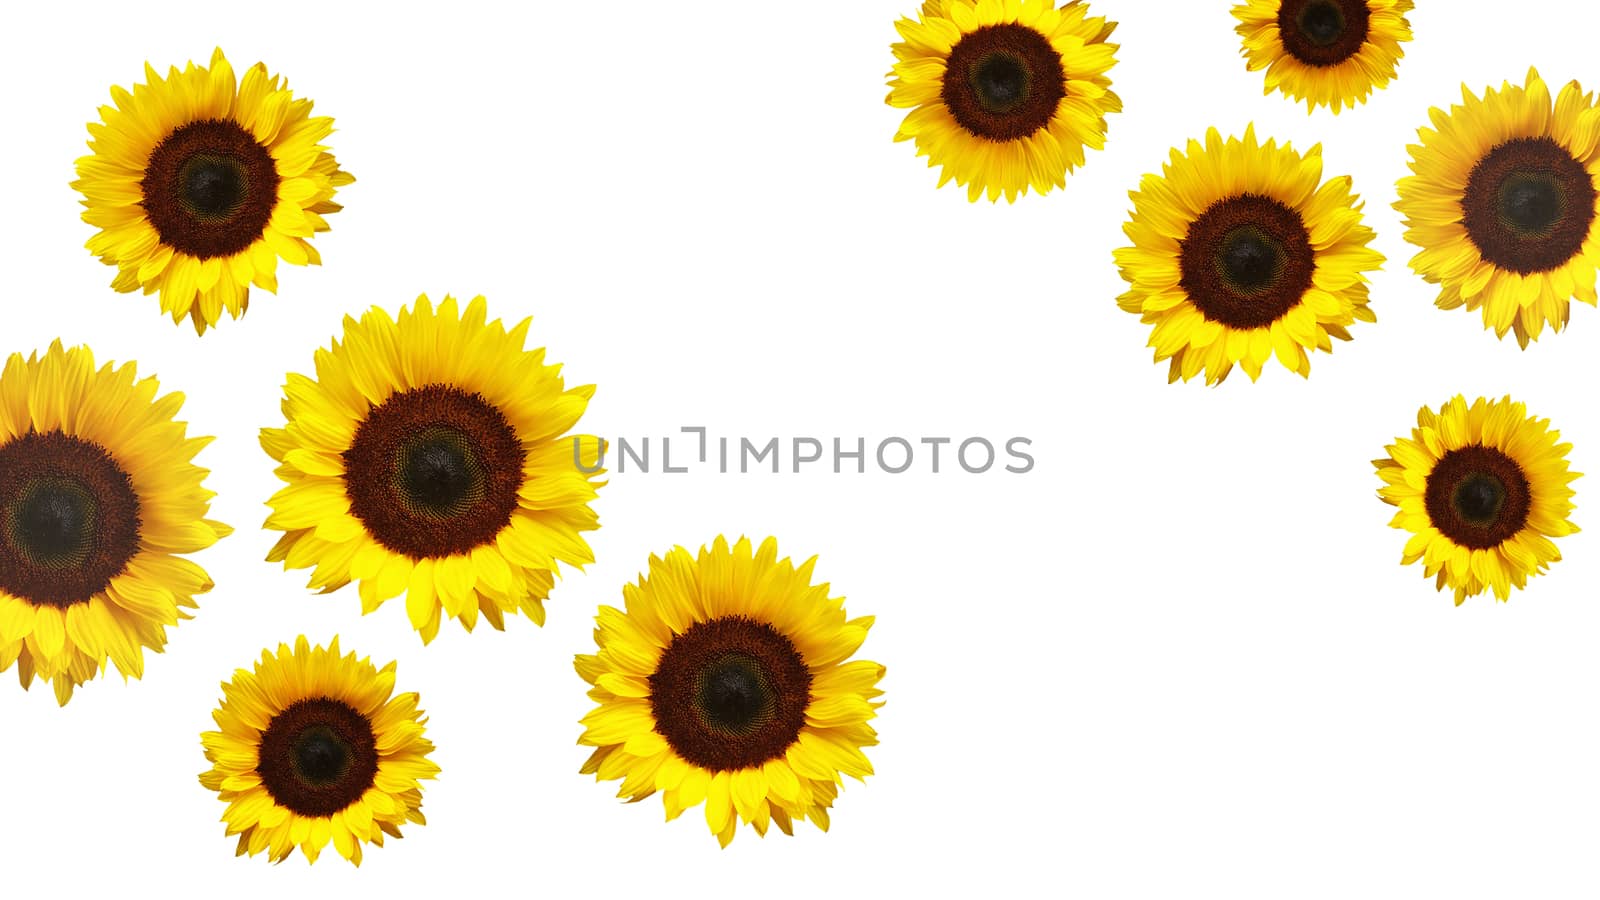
x=1240, y=252
x=429, y=458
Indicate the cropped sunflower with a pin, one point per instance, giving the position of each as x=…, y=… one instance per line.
x=199, y=185
x=1241, y=252
x=1329, y=53
x=1004, y=94
x=430, y=457
x=99, y=497
x=1502, y=204
x=724, y=680
x=1482, y=489
x=314, y=748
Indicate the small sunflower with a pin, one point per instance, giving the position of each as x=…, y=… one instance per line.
x=430, y=457
x=99, y=496
x=1241, y=252
x=1329, y=53
x=314, y=748
x=200, y=185
x=1004, y=94
x=1502, y=204
x=1482, y=489
x=724, y=680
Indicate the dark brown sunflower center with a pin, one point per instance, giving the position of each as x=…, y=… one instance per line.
x=438, y=473
x=53, y=521
x=434, y=472
x=1249, y=260
x=1478, y=497
x=212, y=187
x=1003, y=82
x=1246, y=261
x=69, y=519
x=1000, y=81
x=735, y=696
x=730, y=693
x=317, y=757
x=209, y=188
x=1323, y=32
x=1528, y=205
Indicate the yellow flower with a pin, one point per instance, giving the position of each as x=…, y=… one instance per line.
x=312, y=748
x=1241, y=252
x=1329, y=53
x=1482, y=489
x=1004, y=94
x=725, y=680
x=430, y=457
x=1502, y=204
x=200, y=185
x=99, y=498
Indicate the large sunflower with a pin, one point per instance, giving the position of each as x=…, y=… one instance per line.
x=430, y=457
x=1502, y=204
x=1326, y=52
x=199, y=185
x=313, y=748
x=99, y=496
x=724, y=679
x=1004, y=94
x=1482, y=489
x=1241, y=252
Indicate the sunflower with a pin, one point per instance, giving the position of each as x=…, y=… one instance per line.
x=199, y=185
x=98, y=498
x=1482, y=489
x=1502, y=204
x=1241, y=252
x=725, y=680
x=313, y=748
x=427, y=458
x=1329, y=53
x=1029, y=91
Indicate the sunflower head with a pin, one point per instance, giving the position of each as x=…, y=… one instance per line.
x=1004, y=94
x=313, y=748
x=199, y=184
x=1329, y=53
x=724, y=679
x=1240, y=253
x=99, y=500
x=1502, y=202
x=430, y=457
x=1482, y=489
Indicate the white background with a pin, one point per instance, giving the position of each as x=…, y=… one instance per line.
x=1178, y=659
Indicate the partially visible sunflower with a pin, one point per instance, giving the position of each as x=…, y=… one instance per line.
x=724, y=680
x=1004, y=94
x=1503, y=204
x=99, y=497
x=200, y=185
x=1482, y=489
x=1241, y=252
x=430, y=457
x=313, y=748
x=1329, y=53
